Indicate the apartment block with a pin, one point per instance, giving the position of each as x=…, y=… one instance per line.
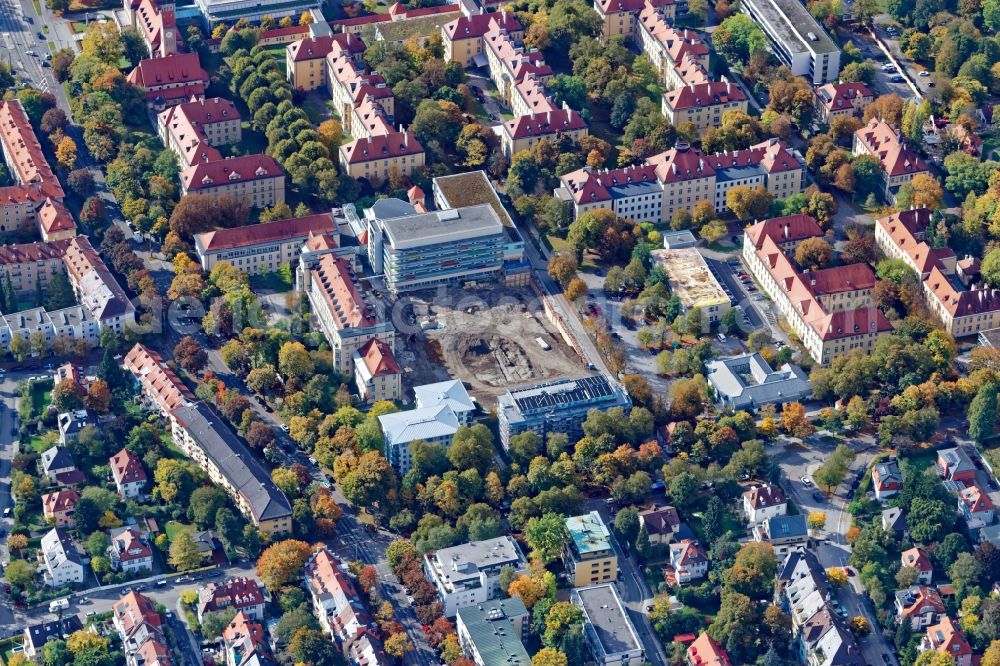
x=589, y=556
x=463, y=37
x=557, y=406
x=170, y=80
x=348, y=84
x=830, y=310
x=469, y=574
x=305, y=59
x=162, y=389
x=898, y=161
x=60, y=561
x=524, y=131
x=510, y=63
x=703, y=104
x=242, y=594
x=607, y=629
x=256, y=180
x=491, y=633
x=336, y=602
x=620, y=18
x=680, y=178
x=35, y=200
x=195, y=130
x=263, y=248
x=962, y=310
x=434, y=424
x=680, y=56
x=229, y=463
x=796, y=39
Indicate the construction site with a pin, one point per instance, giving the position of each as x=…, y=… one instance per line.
x=490, y=339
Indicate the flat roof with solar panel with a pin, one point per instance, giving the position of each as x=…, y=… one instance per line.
x=562, y=392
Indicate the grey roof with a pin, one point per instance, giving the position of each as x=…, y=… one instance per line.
x=894, y=519
x=451, y=393
x=798, y=29
x=426, y=423
x=678, y=239
x=990, y=533
x=58, y=457
x=57, y=546
x=442, y=226
x=464, y=562
x=957, y=459
x=41, y=633
x=489, y=627
x=786, y=527
x=233, y=458
x=888, y=470
x=560, y=394
x=749, y=380
x=385, y=209
x=604, y=611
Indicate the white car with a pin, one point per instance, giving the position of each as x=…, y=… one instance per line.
x=806, y=481
x=888, y=67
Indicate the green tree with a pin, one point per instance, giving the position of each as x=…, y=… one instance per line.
x=982, y=413
x=212, y=623
x=627, y=524
x=546, y=535
x=472, y=448
x=184, y=553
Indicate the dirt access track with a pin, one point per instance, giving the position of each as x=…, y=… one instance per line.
x=487, y=338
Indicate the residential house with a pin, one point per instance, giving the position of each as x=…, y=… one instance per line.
x=141, y=630
x=894, y=520
x=491, y=633
x=784, y=533
x=706, y=651
x=376, y=373
x=469, y=573
x=918, y=559
x=688, y=562
x=451, y=393
x=898, y=161
x=835, y=100
x=955, y=465
x=244, y=643
x=35, y=636
x=335, y=600
x=588, y=554
x=70, y=424
x=763, y=502
x=975, y=506
x=129, y=552
x=887, y=480
x=947, y=638
x=60, y=560
x=59, y=467
x=244, y=595
x=129, y=475
x=607, y=629
x=662, y=524
x=919, y=605
x=58, y=507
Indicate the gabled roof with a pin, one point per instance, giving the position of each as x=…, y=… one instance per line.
x=378, y=358
x=267, y=232
x=173, y=70
x=687, y=552
x=707, y=652
x=887, y=472
x=788, y=229
x=892, y=151
x=127, y=468
x=57, y=457
x=975, y=499
x=60, y=501
x=837, y=96
x=701, y=95
x=134, y=610
x=894, y=519
x=545, y=123
x=231, y=170
x=477, y=25
x=317, y=48
x=661, y=520
x=919, y=599
x=916, y=558
x=765, y=496
x=425, y=423
x=57, y=548
x=381, y=147
x=163, y=385
x=130, y=546
x=946, y=637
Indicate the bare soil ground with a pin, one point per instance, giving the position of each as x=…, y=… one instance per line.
x=483, y=337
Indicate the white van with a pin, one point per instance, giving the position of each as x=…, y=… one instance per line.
x=55, y=606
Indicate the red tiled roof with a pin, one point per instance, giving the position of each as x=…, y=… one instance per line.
x=707, y=652
x=975, y=499
x=62, y=500
x=588, y=185
x=839, y=279
x=925, y=598
x=837, y=96
x=663, y=520
x=335, y=280
x=149, y=368
x=765, y=496
x=266, y=232
x=680, y=164
x=381, y=147
x=368, y=19
x=230, y=170
x=916, y=558
x=945, y=637
x=514, y=57
x=55, y=217
x=892, y=151
x=313, y=48
x=70, y=478
x=127, y=468
x=179, y=68
x=130, y=546
x=378, y=358
x=960, y=302
x=788, y=229
x=26, y=160
x=133, y=609
x=24, y=253
x=477, y=25
x=700, y=95
x=545, y=123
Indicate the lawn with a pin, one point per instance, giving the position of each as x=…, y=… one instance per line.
x=40, y=443
x=78, y=26
x=314, y=111
x=41, y=396
x=558, y=244
x=277, y=52
x=251, y=142
x=173, y=528
x=922, y=459
x=272, y=281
